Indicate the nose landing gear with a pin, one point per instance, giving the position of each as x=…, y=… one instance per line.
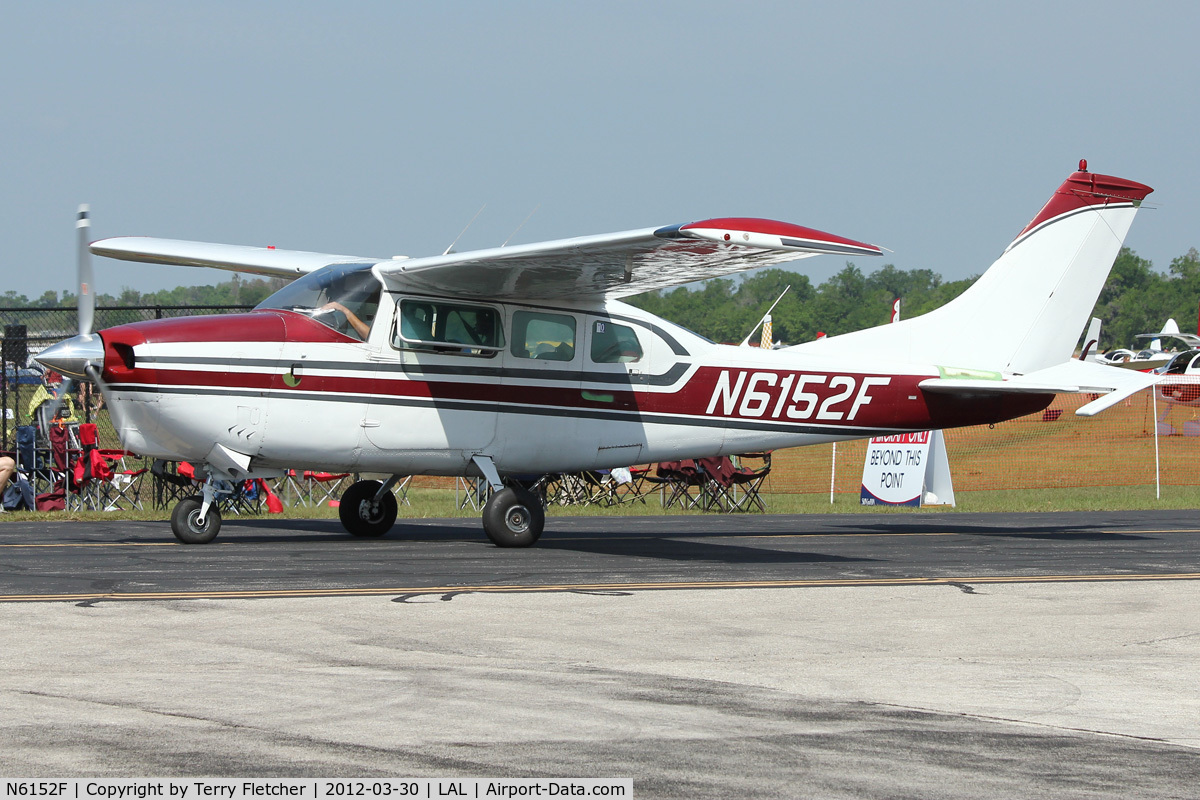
x=197, y=520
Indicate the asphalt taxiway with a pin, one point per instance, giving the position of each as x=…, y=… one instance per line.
x=965, y=655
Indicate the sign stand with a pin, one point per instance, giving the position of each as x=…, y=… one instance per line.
x=939, y=487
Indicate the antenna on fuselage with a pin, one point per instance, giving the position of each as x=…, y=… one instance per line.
x=746, y=341
x=450, y=249
x=522, y=225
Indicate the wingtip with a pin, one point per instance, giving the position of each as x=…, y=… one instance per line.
x=773, y=234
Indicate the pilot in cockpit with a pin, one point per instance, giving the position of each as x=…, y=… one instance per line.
x=343, y=297
x=356, y=297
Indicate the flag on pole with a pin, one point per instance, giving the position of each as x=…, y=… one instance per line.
x=767, y=339
x=896, y=310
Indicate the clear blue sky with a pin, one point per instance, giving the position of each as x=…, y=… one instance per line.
x=936, y=130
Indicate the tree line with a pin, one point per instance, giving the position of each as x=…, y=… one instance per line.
x=1136, y=299
x=238, y=291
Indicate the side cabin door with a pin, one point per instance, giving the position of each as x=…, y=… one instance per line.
x=432, y=404
x=539, y=426
x=617, y=370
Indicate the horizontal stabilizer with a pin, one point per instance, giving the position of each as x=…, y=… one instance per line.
x=1071, y=377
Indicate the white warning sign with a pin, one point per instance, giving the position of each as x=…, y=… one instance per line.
x=907, y=469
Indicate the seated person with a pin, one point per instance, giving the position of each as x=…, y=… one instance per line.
x=360, y=327
x=15, y=492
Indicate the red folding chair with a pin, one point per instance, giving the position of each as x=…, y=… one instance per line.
x=124, y=489
x=91, y=469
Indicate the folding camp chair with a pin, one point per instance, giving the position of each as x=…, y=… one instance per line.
x=32, y=460
x=473, y=492
x=171, y=482
x=240, y=497
x=632, y=484
x=316, y=488
x=64, y=452
x=123, y=490
x=400, y=489
x=567, y=489
x=682, y=483
x=715, y=491
x=748, y=481
x=600, y=488
x=90, y=469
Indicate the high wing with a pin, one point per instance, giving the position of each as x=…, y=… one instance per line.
x=265, y=261
x=618, y=264
x=1189, y=339
x=608, y=265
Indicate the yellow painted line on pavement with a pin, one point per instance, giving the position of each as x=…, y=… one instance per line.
x=243, y=594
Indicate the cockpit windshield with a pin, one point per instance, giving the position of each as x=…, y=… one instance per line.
x=1180, y=363
x=344, y=297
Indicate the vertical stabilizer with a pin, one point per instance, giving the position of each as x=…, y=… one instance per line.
x=1026, y=311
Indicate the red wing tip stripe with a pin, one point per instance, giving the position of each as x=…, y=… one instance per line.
x=737, y=229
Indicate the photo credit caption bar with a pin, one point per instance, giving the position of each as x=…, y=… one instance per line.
x=314, y=788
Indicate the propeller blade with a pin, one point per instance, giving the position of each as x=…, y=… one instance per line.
x=86, y=298
x=93, y=372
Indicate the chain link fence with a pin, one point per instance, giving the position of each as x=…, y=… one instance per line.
x=27, y=331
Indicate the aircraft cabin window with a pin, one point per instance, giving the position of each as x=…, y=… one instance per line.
x=613, y=343
x=448, y=328
x=344, y=297
x=549, y=337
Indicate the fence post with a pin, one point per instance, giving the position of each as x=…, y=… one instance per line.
x=1157, y=482
x=832, y=473
x=16, y=350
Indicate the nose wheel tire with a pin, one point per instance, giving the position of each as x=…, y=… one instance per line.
x=185, y=522
x=361, y=516
x=513, y=518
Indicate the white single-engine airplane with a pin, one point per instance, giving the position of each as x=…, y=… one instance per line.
x=520, y=361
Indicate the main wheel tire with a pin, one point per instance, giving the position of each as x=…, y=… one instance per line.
x=362, y=517
x=513, y=518
x=185, y=521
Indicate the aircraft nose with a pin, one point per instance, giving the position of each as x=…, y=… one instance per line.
x=73, y=356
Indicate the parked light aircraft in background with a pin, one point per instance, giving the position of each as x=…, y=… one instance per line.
x=1152, y=357
x=519, y=361
x=1179, y=383
x=1170, y=330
